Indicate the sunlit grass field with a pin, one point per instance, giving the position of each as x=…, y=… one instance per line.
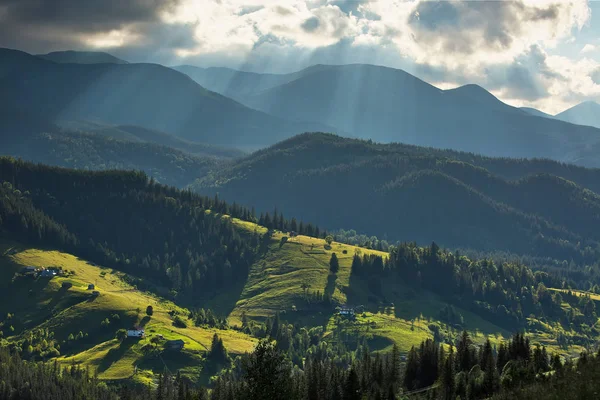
x=77, y=309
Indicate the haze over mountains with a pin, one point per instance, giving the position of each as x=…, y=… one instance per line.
x=390, y=105
x=366, y=101
x=146, y=95
x=587, y=113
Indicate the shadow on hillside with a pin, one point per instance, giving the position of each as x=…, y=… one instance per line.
x=115, y=354
x=330, y=287
x=170, y=360
x=357, y=292
x=58, y=296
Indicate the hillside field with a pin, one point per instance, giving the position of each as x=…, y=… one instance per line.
x=76, y=309
x=275, y=284
x=289, y=271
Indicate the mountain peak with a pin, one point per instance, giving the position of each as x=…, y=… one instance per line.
x=81, y=57
x=586, y=113
x=474, y=91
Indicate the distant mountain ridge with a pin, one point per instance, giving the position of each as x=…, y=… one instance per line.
x=82, y=57
x=31, y=138
x=400, y=192
x=390, y=105
x=146, y=95
x=586, y=113
x=132, y=133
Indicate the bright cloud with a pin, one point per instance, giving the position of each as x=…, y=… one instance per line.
x=588, y=48
x=509, y=47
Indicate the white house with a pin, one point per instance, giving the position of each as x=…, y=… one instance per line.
x=346, y=311
x=136, y=332
x=48, y=273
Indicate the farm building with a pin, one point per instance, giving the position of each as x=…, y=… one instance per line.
x=28, y=271
x=136, y=332
x=346, y=311
x=175, y=344
x=48, y=273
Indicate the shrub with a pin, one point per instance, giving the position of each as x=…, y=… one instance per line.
x=179, y=322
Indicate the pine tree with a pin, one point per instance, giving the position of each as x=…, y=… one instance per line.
x=266, y=373
x=334, y=264
x=352, y=386
x=448, y=378
x=411, y=370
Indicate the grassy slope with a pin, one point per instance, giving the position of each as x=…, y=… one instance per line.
x=70, y=311
x=275, y=285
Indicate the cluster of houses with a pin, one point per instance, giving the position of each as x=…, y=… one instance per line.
x=42, y=272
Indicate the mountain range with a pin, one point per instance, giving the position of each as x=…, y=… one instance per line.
x=390, y=105
x=405, y=193
x=82, y=57
x=146, y=95
x=257, y=110
x=586, y=113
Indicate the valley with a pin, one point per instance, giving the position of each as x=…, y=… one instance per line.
x=289, y=281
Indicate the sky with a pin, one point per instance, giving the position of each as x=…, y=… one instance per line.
x=537, y=53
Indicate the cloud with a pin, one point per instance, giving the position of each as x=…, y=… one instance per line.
x=588, y=48
x=84, y=15
x=44, y=25
x=505, y=46
x=311, y=24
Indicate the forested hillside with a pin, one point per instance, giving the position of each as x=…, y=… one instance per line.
x=405, y=193
x=132, y=133
x=32, y=138
x=123, y=220
x=267, y=283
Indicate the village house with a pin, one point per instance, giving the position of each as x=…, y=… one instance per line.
x=28, y=270
x=346, y=311
x=48, y=273
x=136, y=332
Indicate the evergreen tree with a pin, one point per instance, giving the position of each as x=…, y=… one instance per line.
x=352, y=386
x=266, y=374
x=334, y=264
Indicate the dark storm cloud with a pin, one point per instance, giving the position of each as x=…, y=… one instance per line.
x=83, y=15
x=460, y=26
x=47, y=25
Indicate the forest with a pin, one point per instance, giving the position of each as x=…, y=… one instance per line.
x=91, y=147
x=513, y=370
x=177, y=242
x=129, y=222
x=528, y=208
